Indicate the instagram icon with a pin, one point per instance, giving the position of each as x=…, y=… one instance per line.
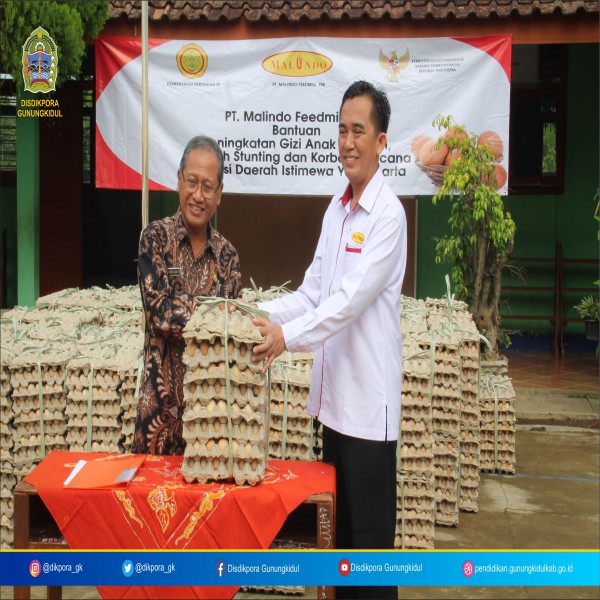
x=35, y=568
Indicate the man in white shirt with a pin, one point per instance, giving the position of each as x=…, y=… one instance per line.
x=346, y=311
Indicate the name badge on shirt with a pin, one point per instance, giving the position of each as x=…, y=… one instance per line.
x=174, y=271
x=356, y=244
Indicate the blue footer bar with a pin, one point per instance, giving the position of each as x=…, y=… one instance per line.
x=304, y=567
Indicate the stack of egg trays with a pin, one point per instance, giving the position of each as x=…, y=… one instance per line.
x=37, y=377
x=7, y=468
x=415, y=511
x=415, y=515
x=225, y=430
x=8, y=481
x=470, y=417
x=304, y=360
x=454, y=319
x=498, y=424
x=7, y=352
x=445, y=403
x=413, y=316
x=93, y=400
x=129, y=393
x=129, y=362
x=290, y=425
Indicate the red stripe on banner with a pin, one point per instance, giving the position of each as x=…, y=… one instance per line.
x=113, y=53
x=497, y=46
x=113, y=173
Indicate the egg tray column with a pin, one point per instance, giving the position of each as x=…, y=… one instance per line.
x=226, y=414
x=94, y=402
x=498, y=424
x=290, y=425
x=7, y=467
x=38, y=402
x=415, y=515
x=470, y=415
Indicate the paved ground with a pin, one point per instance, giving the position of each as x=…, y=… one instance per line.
x=552, y=502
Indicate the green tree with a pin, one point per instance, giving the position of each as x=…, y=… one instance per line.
x=69, y=22
x=481, y=233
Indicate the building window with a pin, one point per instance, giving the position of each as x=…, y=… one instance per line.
x=537, y=122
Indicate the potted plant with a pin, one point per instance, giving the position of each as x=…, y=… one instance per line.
x=482, y=233
x=589, y=310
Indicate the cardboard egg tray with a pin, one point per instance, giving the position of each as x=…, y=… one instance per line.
x=38, y=401
x=125, y=299
x=7, y=525
x=469, y=478
x=415, y=514
x=415, y=492
x=497, y=424
x=226, y=414
x=470, y=414
x=446, y=470
x=446, y=507
x=93, y=381
x=291, y=428
x=445, y=419
x=128, y=405
x=5, y=386
x=6, y=430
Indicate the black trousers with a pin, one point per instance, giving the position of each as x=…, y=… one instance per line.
x=365, y=473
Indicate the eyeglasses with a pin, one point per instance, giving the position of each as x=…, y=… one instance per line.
x=191, y=186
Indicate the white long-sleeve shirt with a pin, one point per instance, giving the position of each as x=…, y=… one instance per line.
x=346, y=311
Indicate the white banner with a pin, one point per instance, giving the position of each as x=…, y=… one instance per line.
x=273, y=106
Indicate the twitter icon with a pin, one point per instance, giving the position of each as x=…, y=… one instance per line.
x=127, y=568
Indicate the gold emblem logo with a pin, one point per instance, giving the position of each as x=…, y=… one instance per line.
x=358, y=237
x=192, y=61
x=297, y=63
x=393, y=65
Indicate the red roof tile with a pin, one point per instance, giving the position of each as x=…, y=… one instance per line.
x=294, y=10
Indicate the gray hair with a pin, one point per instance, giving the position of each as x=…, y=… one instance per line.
x=207, y=143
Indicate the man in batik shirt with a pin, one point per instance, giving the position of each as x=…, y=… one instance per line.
x=180, y=257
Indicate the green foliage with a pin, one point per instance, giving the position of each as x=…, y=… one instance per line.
x=588, y=308
x=549, y=149
x=477, y=209
x=67, y=22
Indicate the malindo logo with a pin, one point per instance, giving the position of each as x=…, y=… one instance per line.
x=40, y=62
x=192, y=61
x=393, y=65
x=297, y=63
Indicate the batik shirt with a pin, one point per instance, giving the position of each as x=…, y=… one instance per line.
x=170, y=278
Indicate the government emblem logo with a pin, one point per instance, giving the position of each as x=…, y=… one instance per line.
x=40, y=62
x=192, y=61
x=393, y=65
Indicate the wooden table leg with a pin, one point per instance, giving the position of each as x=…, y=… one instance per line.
x=21, y=533
x=325, y=537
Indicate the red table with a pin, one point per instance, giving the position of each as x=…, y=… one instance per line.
x=159, y=510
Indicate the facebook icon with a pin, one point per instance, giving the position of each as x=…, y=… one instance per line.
x=220, y=567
